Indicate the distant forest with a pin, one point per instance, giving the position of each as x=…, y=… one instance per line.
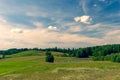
x=105, y=52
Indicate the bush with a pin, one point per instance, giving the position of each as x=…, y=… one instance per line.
x=111, y=57
x=98, y=58
x=107, y=58
x=118, y=59
x=115, y=58
x=49, y=57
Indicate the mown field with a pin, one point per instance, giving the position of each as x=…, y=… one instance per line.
x=31, y=65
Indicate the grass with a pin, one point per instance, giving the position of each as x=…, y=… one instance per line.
x=27, y=53
x=23, y=66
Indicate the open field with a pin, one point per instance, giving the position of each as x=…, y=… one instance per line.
x=31, y=65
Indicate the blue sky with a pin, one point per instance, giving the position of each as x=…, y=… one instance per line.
x=62, y=23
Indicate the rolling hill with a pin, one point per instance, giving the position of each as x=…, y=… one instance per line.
x=31, y=65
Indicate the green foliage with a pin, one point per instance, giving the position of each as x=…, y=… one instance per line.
x=48, y=53
x=98, y=58
x=79, y=53
x=49, y=57
x=12, y=51
x=65, y=55
x=3, y=56
x=108, y=58
x=111, y=57
x=115, y=58
x=106, y=50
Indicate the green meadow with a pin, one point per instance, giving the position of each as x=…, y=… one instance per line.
x=31, y=65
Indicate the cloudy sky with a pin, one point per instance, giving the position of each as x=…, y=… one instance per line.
x=61, y=23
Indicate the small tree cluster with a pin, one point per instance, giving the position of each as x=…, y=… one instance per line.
x=49, y=57
x=111, y=57
x=115, y=58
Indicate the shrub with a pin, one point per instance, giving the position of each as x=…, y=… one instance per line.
x=98, y=58
x=118, y=59
x=49, y=57
x=111, y=57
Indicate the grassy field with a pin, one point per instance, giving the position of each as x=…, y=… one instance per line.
x=31, y=65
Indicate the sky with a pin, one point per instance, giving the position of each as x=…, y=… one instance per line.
x=61, y=23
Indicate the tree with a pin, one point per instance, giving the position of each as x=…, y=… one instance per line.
x=49, y=57
x=79, y=53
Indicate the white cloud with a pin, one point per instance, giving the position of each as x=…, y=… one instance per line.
x=52, y=28
x=84, y=19
x=17, y=30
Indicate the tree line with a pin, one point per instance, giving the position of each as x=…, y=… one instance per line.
x=97, y=52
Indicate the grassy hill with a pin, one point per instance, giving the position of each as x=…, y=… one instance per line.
x=31, y=65
x=27, y=53
x=32, y=53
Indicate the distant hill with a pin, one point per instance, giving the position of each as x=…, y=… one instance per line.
x=79, y=52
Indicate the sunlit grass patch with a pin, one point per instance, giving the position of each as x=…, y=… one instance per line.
x=87, y=74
